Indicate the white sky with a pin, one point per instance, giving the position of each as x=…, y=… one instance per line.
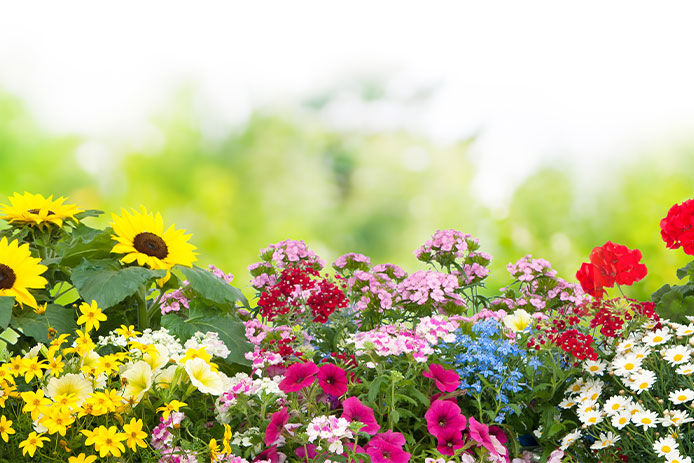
x=587, y=80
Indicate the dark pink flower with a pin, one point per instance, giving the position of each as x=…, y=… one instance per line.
x=444, y=417
x=332, y=379
x=449, y=442
x=306, y=453
x=355, y=449
x=500, y=435
x=276, y=425
x=271, y=455
x=446, y=380
x=354, y=410
x=480, y=433
x=298, y=376
x=387, y=448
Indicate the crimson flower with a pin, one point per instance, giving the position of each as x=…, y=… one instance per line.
x=332, y=379
x=387, y=448
x=609, y=264
x=444, y=417
x=298, y=376
x=271, y=455
x=677, y=228
x=276, y=425
x=446, y=380
x=354, y=410
x=449, y=442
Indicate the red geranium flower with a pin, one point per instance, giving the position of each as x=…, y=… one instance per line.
x=354, y=410
x=446, y=380
x=609, y=264
x=276, y=425
x=677, y=228
x=444, y=417
x=332, y=379
x=298, y=376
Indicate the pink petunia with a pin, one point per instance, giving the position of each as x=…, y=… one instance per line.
x=480, y=433
x=276, y=425
x=446, y=380
x=444, y=417
x=354, y=410
x=332, y=379
x=298, y=376
x=306, y=453
x=449, y=442
x=387, y=448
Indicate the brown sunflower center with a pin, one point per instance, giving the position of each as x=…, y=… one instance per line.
x=7, y=277
x=151, y=244
x=36, y=211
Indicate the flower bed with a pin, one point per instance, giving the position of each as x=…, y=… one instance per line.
x=116, y=347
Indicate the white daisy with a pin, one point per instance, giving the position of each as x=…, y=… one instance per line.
x=675, y=418
x=646, y=419
x=657, y=337
x=643, y=380
x=594, y=367
x=615, y=404
x=621, y=419
x=690, y=318
x=685, y=369
x=676, y=355
x=641, y=352
x=587, y=406
x=577, y=386
x=665, y=446
x=567, y=403
x=685, y=330
x=605, y=440
x=569, y=439
x=626, y=365
x=626, y=345
x=677, y=458
x=590, y=418
x=681, y=396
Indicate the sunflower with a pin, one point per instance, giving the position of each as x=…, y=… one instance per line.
x=28, y=209
x=141, y=237
x=19, y=272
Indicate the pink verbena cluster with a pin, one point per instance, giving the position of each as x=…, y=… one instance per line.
x=454, y=249
x=372, y=291
x=331, y=430
x=435, y=328
x=426, y=286
x=279, y=256
x=391, y=340
x=162, y=439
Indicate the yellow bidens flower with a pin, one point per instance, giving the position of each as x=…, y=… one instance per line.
x=28, y=209
x=5, y=428
x=106, y=441
x=172, y=406
x=141, y=237
x=82, y=458
x=91, y=316
x=135, y=434
x=127, y=331
x=20, y=272
x=31, y=443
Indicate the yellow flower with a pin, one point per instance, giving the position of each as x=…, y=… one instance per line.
x=138, y=379
x=20, y=272
x=141, y=237
x=41, y=309
x=73, y=385
x=31, y=443
x=83, y=343
x=91, y=316
x=107, y=364
x=106, y=441
x=203, y=378
x=127, y=331
x=135, y=434
x=227, y=438
x=55, y=365
x=33, y=367
x=82, y=458
x=518, y=321
x=214, y=450
x=172, y=406
x=16, y=366
x=66, y=402
x=5, y=428
x=28, y=209
x=35, y=403
x=57, y=422
x=200, y=353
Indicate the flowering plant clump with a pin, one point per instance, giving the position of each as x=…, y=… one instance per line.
x=115, y=347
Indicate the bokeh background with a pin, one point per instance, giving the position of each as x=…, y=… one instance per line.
x=540, y=127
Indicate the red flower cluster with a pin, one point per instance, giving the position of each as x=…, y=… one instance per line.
x=610, y=318
x=609, y=264
x=577, y=344
x=677, y=228
x=298, y=288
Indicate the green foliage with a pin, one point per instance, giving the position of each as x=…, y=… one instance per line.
x=209, y=287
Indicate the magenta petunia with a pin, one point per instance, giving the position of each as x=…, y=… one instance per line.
x=354, y=410
x=480, y=433
x=332, y=379
x=387, y=448
x=449, y=442
x=446, y=380
x=276, y=425
x=298, y=376
x=444, y=417
x=307, y=452
x=270, y=455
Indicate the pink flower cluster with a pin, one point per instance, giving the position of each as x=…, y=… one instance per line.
x=162, y=438
x=377, y=291
x=528, y=269
x=391, y=340
x=330, y=429
x=279, y=256
x=436, y=327
x=447, y=245
x=427, y=285
x=472, y=273
x=352, y=261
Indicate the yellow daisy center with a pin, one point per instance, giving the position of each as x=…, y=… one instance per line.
x=678, y=357
x=666, y=449
x=646, y=420
x=657, y=339
x=682, y=397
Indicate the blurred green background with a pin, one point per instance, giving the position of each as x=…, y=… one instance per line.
x=284, y=174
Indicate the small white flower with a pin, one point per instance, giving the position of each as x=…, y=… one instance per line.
x=665, y=446
x=681, y=396
x=626, y=345
x=685, y=330
x=605, y=440
x=677, y=458
x=590, y=418
x=676, y=355
x=646, y=419
x=577, y=386
x=567, y=404
x=657, y=337
x=594, y=367
x=626, y=365
x=642, y=381
x=685, y=369
x=621, y=419
x=518, y=321
x=615, y=404
x=569, y=439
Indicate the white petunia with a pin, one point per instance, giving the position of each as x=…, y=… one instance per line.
x=646, y=419
x=657, y=337
x=676, y=355
x=665, y=446
x=605, y=440
x=681, y=396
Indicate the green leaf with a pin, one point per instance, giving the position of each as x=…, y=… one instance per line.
x=687, y=270
x=61, y=318
x=88, y=213
x=10, y=336
x=6, y=304
x=106, y=283
x=375, y=388
x=212, y=288
x=33, y=325
x=87, y=243
x=230, y=329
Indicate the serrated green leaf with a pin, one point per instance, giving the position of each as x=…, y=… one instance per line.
x=107, y=284
x=6, y=304
x=89, y=243
x=212, y=288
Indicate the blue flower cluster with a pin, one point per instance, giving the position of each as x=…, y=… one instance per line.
x=488, y=354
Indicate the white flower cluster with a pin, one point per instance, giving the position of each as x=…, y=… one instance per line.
x=210, y=341
x=331, y=430
x=252, y=390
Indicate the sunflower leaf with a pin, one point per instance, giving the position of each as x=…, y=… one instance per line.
x=213, y=288
x=6, y=304
x=106, y=283
x=86, y=245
